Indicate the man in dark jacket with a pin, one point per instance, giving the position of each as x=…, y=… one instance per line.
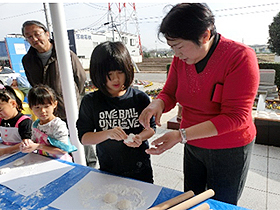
x=41, y=67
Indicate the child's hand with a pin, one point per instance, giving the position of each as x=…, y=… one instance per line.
x=27, y=146
x=137, y=141
x=117, y=133
x=2, y=151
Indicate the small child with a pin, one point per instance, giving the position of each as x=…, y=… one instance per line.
x=14, y=126
x=108, y=115
x=49, y=133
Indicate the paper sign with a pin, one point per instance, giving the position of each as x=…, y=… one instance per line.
x=36, y=172
x=20, y=49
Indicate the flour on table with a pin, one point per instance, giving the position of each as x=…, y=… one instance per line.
x=19, y=162
x=111, y=196
x=4, y=170
x=86, y=193
x=129, y=138
x=129, y=198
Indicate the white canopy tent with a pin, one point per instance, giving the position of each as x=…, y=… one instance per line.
x=65, y=68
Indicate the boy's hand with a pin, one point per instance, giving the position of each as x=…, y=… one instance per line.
x=137, y=141
x=117, y=133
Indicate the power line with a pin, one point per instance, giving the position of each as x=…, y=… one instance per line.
x=84, y=17
x=248, y=13
x=96, y=6
x=246, y=7
x=155, y=19
x=98, y=22
x=27, y=13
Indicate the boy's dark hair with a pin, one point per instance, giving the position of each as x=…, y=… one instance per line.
x=41, y=94
x=188, y=21
x=33, y=22
x=7, y=93
x=110, y=56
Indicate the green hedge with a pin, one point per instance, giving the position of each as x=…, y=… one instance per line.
x=276, y=67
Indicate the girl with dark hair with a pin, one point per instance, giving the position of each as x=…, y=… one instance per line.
x=108, y=115
x=14, y=126
x=49, y=133
x=215, y=80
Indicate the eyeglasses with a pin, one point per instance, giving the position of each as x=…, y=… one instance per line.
x=37, y=35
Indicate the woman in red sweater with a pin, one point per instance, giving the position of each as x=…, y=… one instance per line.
x=215, y=80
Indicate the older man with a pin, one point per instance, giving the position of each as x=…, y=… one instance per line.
x=41, y=67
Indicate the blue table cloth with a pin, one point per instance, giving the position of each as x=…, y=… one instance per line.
x=12, y=200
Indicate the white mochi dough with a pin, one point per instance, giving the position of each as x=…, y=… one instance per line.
x=124, y=204
x=19, y=162
x=129, y=138
x=110, y=198
x=4, y=170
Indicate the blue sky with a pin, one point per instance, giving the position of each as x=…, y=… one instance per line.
x=245, y=21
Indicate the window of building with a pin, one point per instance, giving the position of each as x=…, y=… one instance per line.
x=132, y=42
x=124, y=39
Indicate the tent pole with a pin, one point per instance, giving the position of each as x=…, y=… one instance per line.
x=66, y=75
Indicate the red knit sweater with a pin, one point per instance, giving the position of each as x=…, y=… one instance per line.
x=223, y=93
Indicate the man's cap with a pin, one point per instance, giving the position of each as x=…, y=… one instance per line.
x=33, y=22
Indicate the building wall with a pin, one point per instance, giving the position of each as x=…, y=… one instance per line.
x=83, y=43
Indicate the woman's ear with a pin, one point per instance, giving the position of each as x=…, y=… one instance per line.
x=206, y=36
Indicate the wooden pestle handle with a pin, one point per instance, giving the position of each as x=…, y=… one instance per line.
x=194, y=200
x=173, y=201
x=204, y=206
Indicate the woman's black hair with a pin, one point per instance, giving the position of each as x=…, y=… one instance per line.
x=41, y=94
x=188, y=21
x=7, y=93
x=110, y=56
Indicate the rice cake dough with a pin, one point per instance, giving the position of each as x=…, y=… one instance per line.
x=110, y=198
x=19, y=162
x=124, y=204
x=129, y=138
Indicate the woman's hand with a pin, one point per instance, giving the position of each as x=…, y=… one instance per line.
x=27, y=146
x=116, y=133
x=164, y=142
x=155, y=108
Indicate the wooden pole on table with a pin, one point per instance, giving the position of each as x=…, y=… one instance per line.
x=204, y=206
x=173, y=201
x=194, y=200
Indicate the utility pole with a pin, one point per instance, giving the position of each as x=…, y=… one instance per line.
x=47, y=18
x=132, y=16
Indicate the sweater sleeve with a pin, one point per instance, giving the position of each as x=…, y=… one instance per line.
x=79, y=72
x=169, y=90
x=239, y=91
x=60, y=131
x=85, y=123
